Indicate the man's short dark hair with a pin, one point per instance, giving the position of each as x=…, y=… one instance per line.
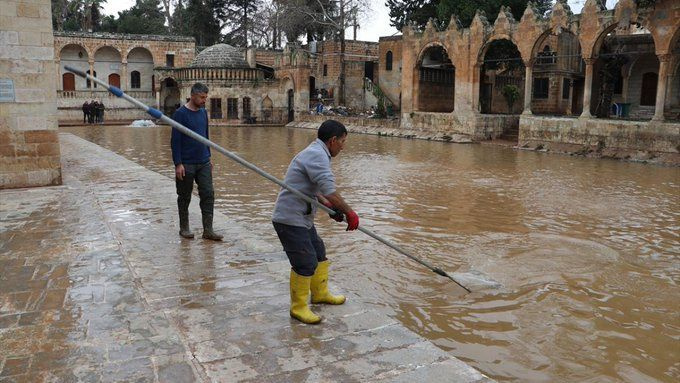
x=330, y=129
x=198, y=88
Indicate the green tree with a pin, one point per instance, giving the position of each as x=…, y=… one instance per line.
x=77, y=15
x=239, y=16
x=511, y=94
x=419, y=12
x=203, y=20
x=145, y=17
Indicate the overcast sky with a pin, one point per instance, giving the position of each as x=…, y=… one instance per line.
x=378, y=23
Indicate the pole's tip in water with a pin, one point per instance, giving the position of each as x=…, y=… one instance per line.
x=74, y=70
x=445, y=274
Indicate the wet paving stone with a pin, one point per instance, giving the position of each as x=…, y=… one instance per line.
x=96, y=286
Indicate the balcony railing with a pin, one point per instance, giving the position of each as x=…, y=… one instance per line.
x=92, y=94
x=205, y=74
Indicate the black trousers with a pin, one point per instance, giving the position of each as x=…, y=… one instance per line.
x=202, y=175
x=303, y=246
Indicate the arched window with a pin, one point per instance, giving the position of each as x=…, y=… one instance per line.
x=68, y=81
x=388, y=60
x=135, y=80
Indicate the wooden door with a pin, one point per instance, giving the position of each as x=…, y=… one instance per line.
x=114, y=80
x=68, y=81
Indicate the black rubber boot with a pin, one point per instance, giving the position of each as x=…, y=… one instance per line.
x=184, y=229
x=208, y=232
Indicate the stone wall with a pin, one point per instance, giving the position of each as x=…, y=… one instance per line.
x=259, y=94
x=652, y=136
x=380, y=127
x=390, y=80
x=475, y=126
x=356, y=54
x=29, y=143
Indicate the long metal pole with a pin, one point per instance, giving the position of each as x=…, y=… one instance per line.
x=157, y=114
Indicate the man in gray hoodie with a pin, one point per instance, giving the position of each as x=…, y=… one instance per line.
x=310, y=173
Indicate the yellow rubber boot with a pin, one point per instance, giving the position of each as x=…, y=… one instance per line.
x=299, y=294
x=320, y=293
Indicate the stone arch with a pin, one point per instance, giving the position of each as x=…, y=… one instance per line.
x=140, y=59
x=62, y=47
x=267, y=109
x=599, y=40
x=495, y=37
x=557, y=67
x=434, y=79
x=141, y=50
x=500, y=73
x=611, y=43
x=433, y=43
x=674, y=46
x=107, y=47
x=77, y=56
x=107, y=61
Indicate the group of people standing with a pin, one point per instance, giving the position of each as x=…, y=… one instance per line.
x=293, y=218
x=93, y=112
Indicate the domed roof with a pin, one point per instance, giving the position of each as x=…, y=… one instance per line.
x=220, y=56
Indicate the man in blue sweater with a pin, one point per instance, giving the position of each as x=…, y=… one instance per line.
x=192, y=163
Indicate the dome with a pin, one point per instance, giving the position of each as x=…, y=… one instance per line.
x=220, y=56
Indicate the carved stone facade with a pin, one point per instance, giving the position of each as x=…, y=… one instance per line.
x=564, y=60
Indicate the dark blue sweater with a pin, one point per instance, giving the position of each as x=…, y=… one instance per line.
x=186, y=150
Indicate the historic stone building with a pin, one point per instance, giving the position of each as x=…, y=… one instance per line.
x=130, y=62
x=29, y=144
x=447, y=86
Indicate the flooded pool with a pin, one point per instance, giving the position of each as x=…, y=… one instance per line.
x=586, y=252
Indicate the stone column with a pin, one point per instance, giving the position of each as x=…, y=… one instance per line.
x=123, y=76
x=91, y=88
x=528, y=81
x=59, y=82
x=476, y=83
x=661, y=87
x=587, y=87
x=570, y=100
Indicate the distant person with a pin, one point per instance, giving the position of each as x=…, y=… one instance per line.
x=310, y=173
x=319, y=106
x=92, y=111
x=100, y=113
x=86, y=111
x=192, y=163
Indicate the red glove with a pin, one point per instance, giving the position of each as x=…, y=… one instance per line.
x=352, y=221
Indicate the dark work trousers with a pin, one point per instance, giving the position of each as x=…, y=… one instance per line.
x=303, y=246
x=202, y=174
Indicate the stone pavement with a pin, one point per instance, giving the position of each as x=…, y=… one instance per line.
x=96, y=285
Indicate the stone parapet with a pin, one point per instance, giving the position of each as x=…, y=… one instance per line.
x=615, y=138
x=380, y=127
x=123, y=36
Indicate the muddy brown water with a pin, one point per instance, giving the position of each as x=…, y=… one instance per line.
x=587, y=251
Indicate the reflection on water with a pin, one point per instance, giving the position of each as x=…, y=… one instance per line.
x=587, y=251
